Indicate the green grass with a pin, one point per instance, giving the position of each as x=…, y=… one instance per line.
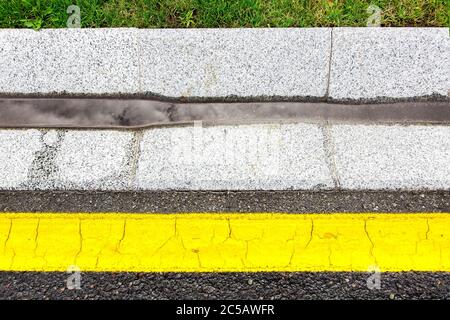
x=221, y=13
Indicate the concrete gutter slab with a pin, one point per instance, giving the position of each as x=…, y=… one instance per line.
x=367, y=64
x=229, y=157
x=392, y=157
x=249, y=157
x=65, y=160
x=240, y=63
x=68, y=61
x=390, y=63
x=100, y=160
x=17, y=153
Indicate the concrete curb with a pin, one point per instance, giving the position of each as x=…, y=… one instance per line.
x=340, y=64
x=320, y=64
x=247, y=157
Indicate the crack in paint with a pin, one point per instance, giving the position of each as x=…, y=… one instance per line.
x=198, y=259
x=119, y=243
x=229, y=236
x=294, y=236
x=81, y=242
x=175, y=230
x=174, y=236
x=36, y=236
x=329, y=256
x=372, y=243
x=8, y=235
x=96, y=261
x=427, y=233
x=310, y=234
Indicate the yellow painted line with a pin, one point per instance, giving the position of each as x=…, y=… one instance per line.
x=224, y=242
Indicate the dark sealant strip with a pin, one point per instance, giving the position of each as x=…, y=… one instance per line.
x=132, y=113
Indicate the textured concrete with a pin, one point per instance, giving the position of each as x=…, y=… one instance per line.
x=100, y=160
x=229, y=157
x=389, y=63
x=229, y=64
x=391, y=157
x=72, y=61
x=17, y=148
x=270, y=156
x=43, y=160
x=222, y=63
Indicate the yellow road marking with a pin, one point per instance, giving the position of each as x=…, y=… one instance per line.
x=211, y=242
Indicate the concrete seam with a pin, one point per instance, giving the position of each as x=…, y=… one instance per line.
x=327, y=92
x=138, y=46
x=330, y=153
x=135, y=153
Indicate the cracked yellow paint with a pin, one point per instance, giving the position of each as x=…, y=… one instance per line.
x=211, y=242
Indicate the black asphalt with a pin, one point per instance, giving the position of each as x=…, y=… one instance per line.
x=324, y=285
x=225, y=201
x=225, y=286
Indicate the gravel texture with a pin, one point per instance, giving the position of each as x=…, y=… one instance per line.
x=225, y=201
x=269, y=286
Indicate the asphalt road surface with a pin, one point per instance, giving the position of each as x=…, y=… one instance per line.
x=270, y=285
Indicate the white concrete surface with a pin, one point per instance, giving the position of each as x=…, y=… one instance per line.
x=221, y=63
x=68, y=61
x=100, y=160
x=389, y=63
x=267, y=156
x=239, y=64
x=246, y=157
x=392, y=157
x=53, y=160
x=17, y=153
